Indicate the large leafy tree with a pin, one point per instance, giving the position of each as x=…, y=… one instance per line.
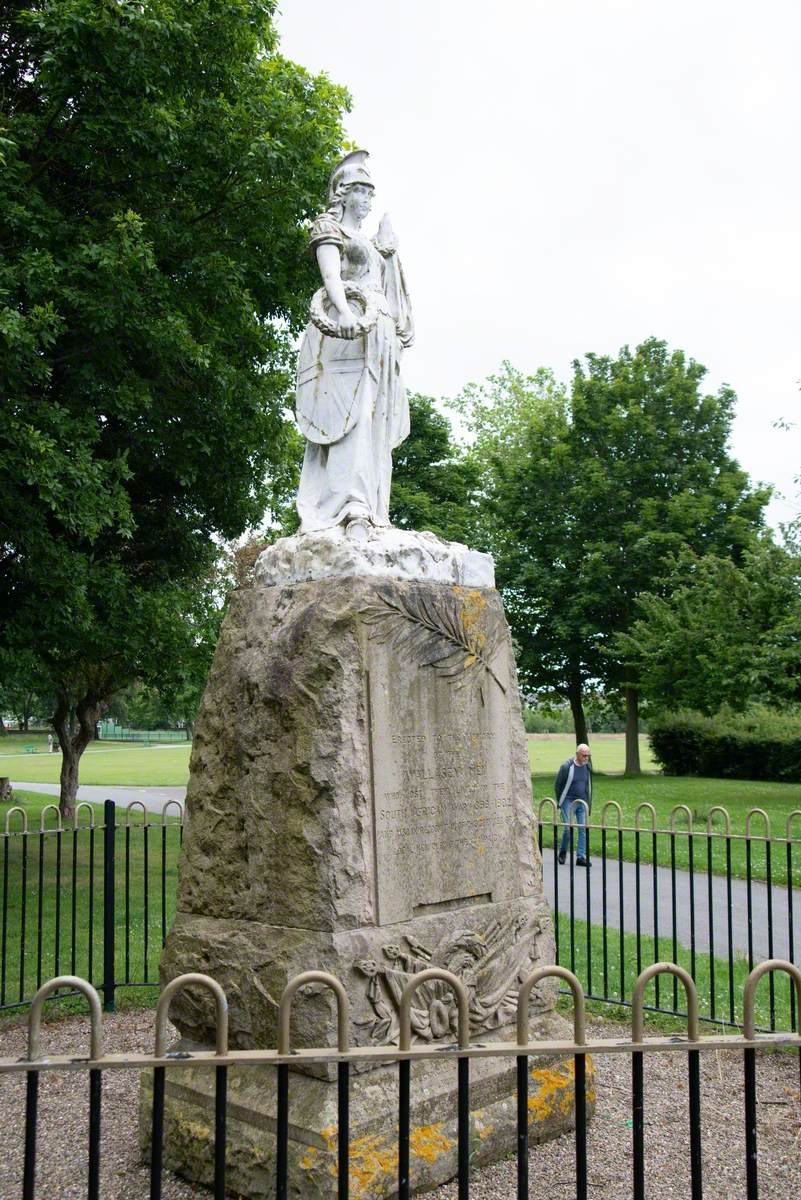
x=722, y=634
x=434, y=482
x=594, y=495
x=520, y=426
x=159, y=163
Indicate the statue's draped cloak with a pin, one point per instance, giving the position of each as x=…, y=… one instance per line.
x=351, y=402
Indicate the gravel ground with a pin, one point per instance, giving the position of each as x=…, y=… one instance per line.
x=63, y=1126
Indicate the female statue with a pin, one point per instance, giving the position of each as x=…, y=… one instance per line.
x=351, y=403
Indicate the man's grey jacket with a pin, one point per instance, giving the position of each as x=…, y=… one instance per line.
x=564, y=779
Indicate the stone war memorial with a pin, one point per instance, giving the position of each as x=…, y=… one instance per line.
x=360, y=793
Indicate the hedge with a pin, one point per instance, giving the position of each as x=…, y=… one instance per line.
x=728, y=746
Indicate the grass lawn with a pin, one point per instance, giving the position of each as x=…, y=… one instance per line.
x=737, y=796
x=547, y=752
x=711, y=977
x=54, y=884
x=102, y=763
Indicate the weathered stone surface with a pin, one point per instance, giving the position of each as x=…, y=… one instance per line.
x=384, y=551
x=359, y=802
x=373, y=1123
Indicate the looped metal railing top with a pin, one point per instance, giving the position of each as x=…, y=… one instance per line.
x=75, y=984
x=793, y=816
x=680, y=808
x=612, y=804
x=749, y=992
x=757, y=812
x=285, y=1007
x=43, y=827
x=649, y=808
x=553, y=805
x=135, y=804
x=462, y=1003
x=638, y=994
x=192, y=979
x=76, y=816
x=169, y=804
x=22, y=813
x=718, y=808
x=579, y=1009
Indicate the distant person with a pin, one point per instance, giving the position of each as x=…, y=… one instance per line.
x=574, y=784
x=49, y=743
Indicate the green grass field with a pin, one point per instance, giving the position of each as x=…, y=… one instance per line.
x=109, y=763
x=624, y=960
x=547, y=752
x=737, y=796
x=54, y=884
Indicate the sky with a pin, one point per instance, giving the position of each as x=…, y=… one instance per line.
x=570, y=176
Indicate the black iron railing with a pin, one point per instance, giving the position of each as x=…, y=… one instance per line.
x=86, y=898
x=711, y=898
x=636, y=1046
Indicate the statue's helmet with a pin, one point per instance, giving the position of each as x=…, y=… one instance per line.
x=349, y=170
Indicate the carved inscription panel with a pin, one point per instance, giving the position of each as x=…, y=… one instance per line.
x=443, y=799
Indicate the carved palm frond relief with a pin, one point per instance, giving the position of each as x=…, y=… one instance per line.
x=453, y=634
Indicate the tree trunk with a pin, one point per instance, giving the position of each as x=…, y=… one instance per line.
x=6, y=794
x=75, y=729
x=632, y=732
x=576, y=699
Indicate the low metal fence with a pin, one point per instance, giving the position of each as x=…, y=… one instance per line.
x=637, y=1047
x=97, y=899
x=718, y=901
x=86, y=898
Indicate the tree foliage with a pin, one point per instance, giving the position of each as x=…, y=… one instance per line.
x=722, y=634
x=159, y=163
x=434, y=482
x=592, y=495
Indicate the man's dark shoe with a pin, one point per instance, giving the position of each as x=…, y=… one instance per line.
x=583, y=862
x=561, y=858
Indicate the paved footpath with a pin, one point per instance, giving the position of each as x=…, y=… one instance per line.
x=664, y=907
x=154, y=799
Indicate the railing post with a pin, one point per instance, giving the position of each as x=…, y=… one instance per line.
x=109, y=831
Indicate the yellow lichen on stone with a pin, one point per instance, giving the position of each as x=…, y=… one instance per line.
x=194, y=1129
x=555, y=1088
x=370, y=1160
x=474, y=606
x=429, y=1142
x=483, y=1129
x=309, y=1158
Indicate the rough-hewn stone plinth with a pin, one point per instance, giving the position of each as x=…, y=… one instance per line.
x=359, y=802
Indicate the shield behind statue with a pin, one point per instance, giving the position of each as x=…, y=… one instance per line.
x=331, y=372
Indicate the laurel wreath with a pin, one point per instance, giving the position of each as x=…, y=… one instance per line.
x=438, y=634
x=321, y=303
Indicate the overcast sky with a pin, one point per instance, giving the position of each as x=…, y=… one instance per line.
x=569, y=176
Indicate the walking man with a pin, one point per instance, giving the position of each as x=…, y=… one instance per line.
x=573, y=791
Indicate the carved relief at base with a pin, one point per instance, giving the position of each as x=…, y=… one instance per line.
x=491, y=963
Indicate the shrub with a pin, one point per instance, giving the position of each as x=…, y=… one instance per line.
x=763, y=744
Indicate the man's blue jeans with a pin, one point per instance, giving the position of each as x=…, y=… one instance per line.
x=579, y=813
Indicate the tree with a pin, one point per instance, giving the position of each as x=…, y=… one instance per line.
x=722, y=634
x=656, y=476
x=434, y=483
x=159, y=164
x=521, y=430
x=591, y=496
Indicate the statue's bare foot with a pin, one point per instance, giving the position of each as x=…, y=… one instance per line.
x=358, y=530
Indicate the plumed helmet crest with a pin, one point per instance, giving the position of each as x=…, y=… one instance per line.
x=351, y=169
